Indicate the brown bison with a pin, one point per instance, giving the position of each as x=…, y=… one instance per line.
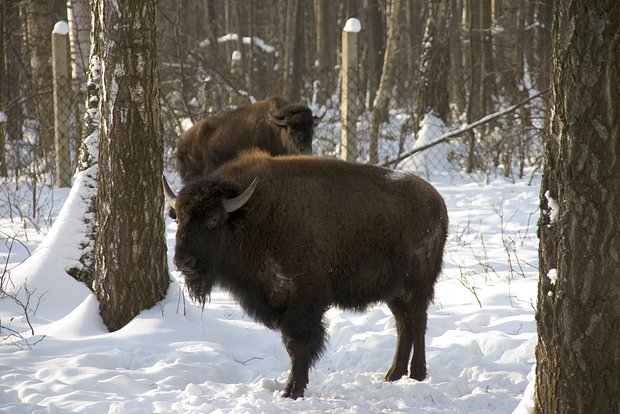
x=273, y=125
x=290, y=237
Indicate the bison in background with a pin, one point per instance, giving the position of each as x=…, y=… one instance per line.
x=289, y=237
x=273, y=125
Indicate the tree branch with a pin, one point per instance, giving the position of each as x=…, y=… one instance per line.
x=446, y=137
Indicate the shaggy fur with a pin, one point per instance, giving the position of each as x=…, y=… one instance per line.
x=273, y=125
x=316, y=233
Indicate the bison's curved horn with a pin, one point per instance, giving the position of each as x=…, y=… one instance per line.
x=170, y=196
x=232, y=204
x=279, y=121
x=317, y=119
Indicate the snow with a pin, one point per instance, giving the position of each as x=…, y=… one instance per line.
x=61, y=28
x=554, y=208
x=246, y=40
x=352, y=25
x=177, y=358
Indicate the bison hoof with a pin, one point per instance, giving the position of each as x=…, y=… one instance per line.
x=418, y=373
x=394, y=375
x=292, y=392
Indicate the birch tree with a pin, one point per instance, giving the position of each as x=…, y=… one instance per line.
x=130, y=254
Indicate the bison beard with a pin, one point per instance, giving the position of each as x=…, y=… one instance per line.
x=199, y=289
x=316, y=233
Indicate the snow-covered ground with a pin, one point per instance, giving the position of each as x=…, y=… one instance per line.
x=176, y=358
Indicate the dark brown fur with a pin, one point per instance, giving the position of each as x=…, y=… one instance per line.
x=218, y=139
x=316, y=233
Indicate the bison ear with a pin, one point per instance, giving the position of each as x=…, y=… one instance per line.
x=278, y=120
x=234, y=204
x=171, y=198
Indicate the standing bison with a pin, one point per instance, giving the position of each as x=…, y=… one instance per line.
x=289, y=237
x=273, y=125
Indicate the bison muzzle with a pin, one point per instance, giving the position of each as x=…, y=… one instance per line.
x=290, y=237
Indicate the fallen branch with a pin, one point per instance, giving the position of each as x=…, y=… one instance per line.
x=446, y=137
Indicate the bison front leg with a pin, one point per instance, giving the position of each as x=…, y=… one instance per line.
x=304, y=338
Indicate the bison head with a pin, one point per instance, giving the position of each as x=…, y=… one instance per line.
x=299, y=124
x=205, y=212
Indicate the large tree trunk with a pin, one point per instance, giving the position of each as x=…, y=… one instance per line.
x=578, y=353
x=131, y=260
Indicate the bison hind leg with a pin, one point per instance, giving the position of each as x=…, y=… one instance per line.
x=410, y=315
x=404, y=340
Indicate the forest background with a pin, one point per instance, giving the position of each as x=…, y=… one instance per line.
x=214, y=55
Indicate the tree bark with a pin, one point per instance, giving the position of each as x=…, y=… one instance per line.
x=3, y=94
x=39, y=25
x=131, y=259
x=434, y=67
x=382, y=100
x=578, y=353
x=374, y=50
x=324, y=49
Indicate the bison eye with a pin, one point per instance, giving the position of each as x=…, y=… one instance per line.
x=212, y=222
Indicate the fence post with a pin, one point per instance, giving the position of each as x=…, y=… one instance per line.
x=62, y=107
x=234, y=100
x=349, y=93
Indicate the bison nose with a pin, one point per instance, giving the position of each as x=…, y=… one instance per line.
x=186, y=263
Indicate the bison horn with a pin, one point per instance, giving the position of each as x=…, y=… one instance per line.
x=317, y=119
x=280, y=121
x=233, y=204
x=170, y=196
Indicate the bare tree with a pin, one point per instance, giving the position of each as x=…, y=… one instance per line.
x=324, y=48
x=293, y=51
x=3, y=95
x=39, y=24
x=435, y=63
x=382, y=100
x=130, y=255
x=578, y=316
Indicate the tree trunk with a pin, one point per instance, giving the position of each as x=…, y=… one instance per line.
x=3, y=94
x=324, y=49
x=131, y=260
x=39, y=25
x=578, y=353
x=374, y=50
x=88, y=163
x=435, y=62
x=293, y=51
x=456, y=78
x=79, y=43
x=380, y=110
